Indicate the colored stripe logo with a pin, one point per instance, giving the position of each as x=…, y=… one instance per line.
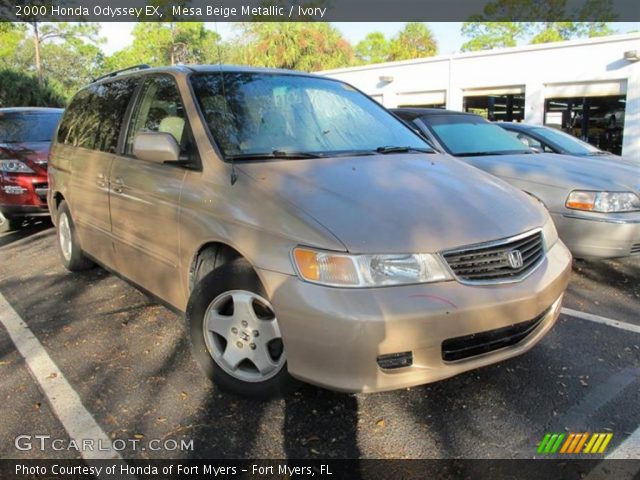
x=593, y=443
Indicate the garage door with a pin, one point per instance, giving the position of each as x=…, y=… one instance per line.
x=586, y=89
x=414, y=99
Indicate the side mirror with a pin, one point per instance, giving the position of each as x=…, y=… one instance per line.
x=157, y=147
x=536, y=149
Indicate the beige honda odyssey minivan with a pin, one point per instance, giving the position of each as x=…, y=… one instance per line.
x=304, y=231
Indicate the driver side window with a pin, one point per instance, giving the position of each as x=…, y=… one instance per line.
x=159, y=109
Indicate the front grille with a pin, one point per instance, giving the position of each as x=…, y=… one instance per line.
x=506, y=260
x=459, y=348
x=635, y=249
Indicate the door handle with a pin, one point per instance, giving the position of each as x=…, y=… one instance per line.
x=100, y=180
x=118, y=185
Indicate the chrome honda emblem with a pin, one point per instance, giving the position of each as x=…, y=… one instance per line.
x=514, y=257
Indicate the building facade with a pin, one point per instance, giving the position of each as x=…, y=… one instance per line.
x=589, y=88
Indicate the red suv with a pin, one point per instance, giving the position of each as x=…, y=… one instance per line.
x=25, y=137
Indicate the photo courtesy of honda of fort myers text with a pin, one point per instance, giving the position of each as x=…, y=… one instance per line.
x=331, y=239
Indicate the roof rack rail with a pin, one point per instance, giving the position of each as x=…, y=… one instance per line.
x=142, y=66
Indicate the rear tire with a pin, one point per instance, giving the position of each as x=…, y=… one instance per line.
x=234, y=333
x=71, y=254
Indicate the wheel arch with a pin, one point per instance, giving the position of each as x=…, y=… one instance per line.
x=208, y=257
x=57, y=198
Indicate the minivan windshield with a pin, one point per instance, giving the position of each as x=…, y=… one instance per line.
x=568, y=143
x=27, y=127
x=466, y=135
x=271, y=115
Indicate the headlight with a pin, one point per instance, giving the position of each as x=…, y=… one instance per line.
x=14, y=166
x=342, y=270
x=549, y=233
x=605, y=202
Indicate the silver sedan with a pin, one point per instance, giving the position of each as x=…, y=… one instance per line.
x=594, y=202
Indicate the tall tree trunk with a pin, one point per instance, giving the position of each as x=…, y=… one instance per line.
x=36, y=40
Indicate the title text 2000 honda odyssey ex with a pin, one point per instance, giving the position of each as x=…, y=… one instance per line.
x=304, y=230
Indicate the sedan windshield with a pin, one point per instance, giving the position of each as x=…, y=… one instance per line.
x=466, y=135
x=568, y=143
x=29, y=127
x=268, y=115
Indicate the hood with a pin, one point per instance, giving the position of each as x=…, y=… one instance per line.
x=566, y=171
x=34, y=154
x=400, y=203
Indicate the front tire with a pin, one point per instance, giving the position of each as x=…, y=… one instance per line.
x=234, y=332
x=71, y=254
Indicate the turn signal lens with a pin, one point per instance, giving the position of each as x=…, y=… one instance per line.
x=581, y=200
x=307, y=263
x=323, y=267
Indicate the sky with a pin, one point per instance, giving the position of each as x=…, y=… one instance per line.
x=447, y=34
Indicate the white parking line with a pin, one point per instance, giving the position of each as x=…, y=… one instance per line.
x=64, y=400
x=603, y=320
x=629, y=449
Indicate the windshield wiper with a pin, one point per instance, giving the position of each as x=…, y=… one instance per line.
x=275, y=154
x=486, y=154
x=394, y=149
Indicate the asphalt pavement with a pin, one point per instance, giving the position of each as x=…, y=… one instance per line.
x=128, y=360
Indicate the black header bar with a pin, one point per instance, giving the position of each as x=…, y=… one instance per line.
x=319, y=10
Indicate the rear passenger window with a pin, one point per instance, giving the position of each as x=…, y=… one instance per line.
x=80, y=122
x=112, y=101
x=95, y=115
x=159, y=109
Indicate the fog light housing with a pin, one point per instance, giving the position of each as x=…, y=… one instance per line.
x=395, y=360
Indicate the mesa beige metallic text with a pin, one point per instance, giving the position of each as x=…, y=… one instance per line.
x=304, y=231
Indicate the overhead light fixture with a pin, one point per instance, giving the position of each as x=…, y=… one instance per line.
x=386, y=78
x=632, y=55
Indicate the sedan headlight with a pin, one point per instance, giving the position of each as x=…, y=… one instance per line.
x=14, y=166
x=343, y=270
x=604, y=202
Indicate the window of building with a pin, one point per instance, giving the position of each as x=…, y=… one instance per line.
x=496, y=107
x=596, y=120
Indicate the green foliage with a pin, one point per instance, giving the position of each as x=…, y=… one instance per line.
x=21, y=90
x=541, y=22
x=70, y=53
x=306, y=46
x=168, y=43
x=375, y=48
x=12, y=44
x=488, y=35
x=415, y=40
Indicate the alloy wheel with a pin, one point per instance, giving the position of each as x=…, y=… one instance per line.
x=243, y=337
x=64, y=236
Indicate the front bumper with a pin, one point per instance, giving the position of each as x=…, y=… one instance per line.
x=599, y=235
x=23, y=195
x=333, y=336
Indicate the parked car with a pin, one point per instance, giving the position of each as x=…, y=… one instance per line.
x=552, y=140
x=25, y=136
x=305, y=232
x=594, y=201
